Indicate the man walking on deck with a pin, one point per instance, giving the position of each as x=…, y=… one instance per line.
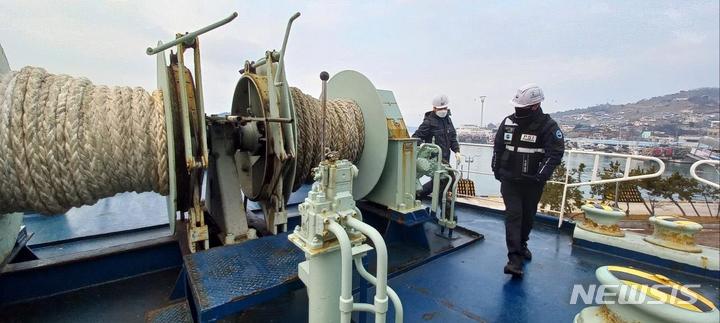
x=528, y=146
x=437, y=125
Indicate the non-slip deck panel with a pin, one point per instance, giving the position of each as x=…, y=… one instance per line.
x=178, y=312
x=234, y=273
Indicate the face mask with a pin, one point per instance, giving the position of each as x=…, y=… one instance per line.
x=522, y=112
x=441, y=113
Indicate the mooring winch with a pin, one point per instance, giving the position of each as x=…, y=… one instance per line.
x=65, y=142
x=74, y=142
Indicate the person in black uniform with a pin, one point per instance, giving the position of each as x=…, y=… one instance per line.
x=438, y=125
x=528, y=146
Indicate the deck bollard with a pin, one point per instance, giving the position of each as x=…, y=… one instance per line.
x=674, y=233
x=602, y=219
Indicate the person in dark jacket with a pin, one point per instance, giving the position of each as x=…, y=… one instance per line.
x=438, y=126
x=528, y=146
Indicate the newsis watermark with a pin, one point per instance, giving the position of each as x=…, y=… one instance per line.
x=599, y=294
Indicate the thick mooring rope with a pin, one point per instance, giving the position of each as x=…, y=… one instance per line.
x=65, y=142
x=344, y=131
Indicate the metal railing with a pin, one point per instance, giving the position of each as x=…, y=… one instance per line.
x=693, y=171
x=596, y=165
x=594, y=180
x=473, y=171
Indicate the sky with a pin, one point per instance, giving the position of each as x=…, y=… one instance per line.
x=581, y=53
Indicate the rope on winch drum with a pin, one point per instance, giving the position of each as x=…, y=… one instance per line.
x=65, y=142
x=344, y=132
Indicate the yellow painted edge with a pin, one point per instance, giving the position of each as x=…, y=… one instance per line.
x=668, y=282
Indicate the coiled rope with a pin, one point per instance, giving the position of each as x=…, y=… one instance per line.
x=65, y=142
x=344, y=131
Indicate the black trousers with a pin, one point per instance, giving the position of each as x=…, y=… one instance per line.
x=521, y=201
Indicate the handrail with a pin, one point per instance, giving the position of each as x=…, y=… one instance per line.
x=700, y=179
x=596, y=164
x=595, y=167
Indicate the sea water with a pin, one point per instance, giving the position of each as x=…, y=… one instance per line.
x=486, y=185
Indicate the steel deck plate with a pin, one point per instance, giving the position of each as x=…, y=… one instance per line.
x=178, y=312
x=230, y=278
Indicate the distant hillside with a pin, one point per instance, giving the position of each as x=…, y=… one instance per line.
x=701, y=101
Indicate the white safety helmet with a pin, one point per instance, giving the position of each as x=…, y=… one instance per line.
x=441, y=101
x=528, y=95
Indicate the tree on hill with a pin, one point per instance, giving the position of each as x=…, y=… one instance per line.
x=677, y=187
x=686, y=188
x=553, y=193
x=606, y=192
x=653, y=187
x=639, y=171
x=710, y=193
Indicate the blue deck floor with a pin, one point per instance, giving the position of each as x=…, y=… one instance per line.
x=465, y=286
x=469, y=285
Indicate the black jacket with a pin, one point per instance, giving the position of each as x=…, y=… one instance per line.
x=442, y=130
x=538, y=132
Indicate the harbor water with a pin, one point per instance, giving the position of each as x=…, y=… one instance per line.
x=486, y=185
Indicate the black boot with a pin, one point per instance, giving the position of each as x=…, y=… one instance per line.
x=514, y=266
x=527, y=254
x=513, y=269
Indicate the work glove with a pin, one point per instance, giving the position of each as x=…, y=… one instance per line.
x=459, y=158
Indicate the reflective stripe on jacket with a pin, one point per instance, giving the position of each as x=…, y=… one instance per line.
x=527, y=149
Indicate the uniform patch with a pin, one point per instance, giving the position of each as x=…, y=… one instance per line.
x=558, y=134
x=508, y=136
x=528, y=138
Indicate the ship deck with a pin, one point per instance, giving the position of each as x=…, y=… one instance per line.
x=466, y=285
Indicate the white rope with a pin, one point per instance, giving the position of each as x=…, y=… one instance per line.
x=65, y=142
x=345, y=132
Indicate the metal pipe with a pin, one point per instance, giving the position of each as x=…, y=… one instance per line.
x=359, y=214
x=189, y=158
x=324, y=76
x=189, y=38
x=694, y=174
x=565, y=187
x=394, y=298
x=346, y=296
x=246, y=119
x=381, y=298
x=596, y=166
x=454, y=196
x=200, y=104
x=436, y=187
x=281, y=64
x=444, y=197
x=363, y=307
x=263, y=61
